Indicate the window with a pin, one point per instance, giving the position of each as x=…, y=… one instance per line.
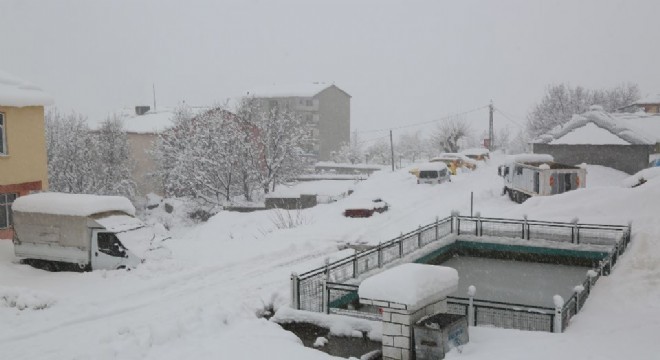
x=310, y=102
x=519, y=170
x=5, y=210
x=109, y=244
x=3, y=137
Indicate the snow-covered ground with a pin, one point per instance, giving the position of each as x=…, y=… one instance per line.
x=204, y=300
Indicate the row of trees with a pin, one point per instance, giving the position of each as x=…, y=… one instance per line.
x=451, y=135
x=86, y=161
x=217, y=155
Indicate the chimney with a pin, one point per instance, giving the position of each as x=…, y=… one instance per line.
x=141, y=110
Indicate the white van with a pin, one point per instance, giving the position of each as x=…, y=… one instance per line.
x=433, y=173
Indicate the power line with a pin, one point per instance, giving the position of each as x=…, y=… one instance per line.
x=509, y=118
x=425, y=122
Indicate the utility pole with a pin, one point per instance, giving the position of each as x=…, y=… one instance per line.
x=392, y=149
x=491, y=134
x=153, y=86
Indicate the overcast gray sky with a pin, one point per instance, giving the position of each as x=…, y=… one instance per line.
x=402, y=61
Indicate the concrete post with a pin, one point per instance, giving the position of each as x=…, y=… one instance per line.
x=472, y=291
x=295, y=297
x=559, y=305
x=326, y=298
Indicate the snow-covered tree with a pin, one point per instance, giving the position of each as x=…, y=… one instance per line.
x=71, y=153
x=449, y=133
x=199, y=155
x=274, y=152
x=380, y=152
x=412, y=146
x=351, y=152
x=83, y=161
x=115, y=162
x=561, y=102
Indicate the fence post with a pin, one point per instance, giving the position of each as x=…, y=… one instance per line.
x=472, y=291
x=327, y=268
x=576, y=232
x=437, y=228
x=380, y=255
x=400, y=245
x=326, y=297
x=419, y=236
x=525, y=227
x=559, y=305
x=295, y=291
x=355, y=265
x=477, y=229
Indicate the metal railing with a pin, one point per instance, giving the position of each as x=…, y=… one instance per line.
x=573, y=232
x=307, y=288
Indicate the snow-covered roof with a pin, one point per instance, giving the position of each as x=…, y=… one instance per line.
x=576, y=131
x=410, y=284
x=72, y=204
x=641, y=123
x=650, y=99
x=151, y=122
x=19, y=93
x=289, y=90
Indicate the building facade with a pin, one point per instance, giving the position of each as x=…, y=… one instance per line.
x=23, y=159
x=324, y=109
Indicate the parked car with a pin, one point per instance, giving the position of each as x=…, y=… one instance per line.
x=363, y=209
x=477, y=154
x=455, y=161
x=433, y=173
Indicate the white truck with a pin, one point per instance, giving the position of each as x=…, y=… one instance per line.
x=528, y=175
x=55, y=231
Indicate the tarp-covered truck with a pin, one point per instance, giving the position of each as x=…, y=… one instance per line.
x=529, y=175
x=55, y=231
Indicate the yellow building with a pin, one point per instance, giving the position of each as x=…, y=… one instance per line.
x=23, y=161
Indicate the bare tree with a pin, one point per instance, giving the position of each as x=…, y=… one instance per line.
x=449, y=133
x=412, y=146
x=561, y=102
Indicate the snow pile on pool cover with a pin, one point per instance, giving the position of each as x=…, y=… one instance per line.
x=410, y=284
x=72, y=204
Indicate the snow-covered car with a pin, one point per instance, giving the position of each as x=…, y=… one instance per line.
x=455, y=161
x=362, y=209
x=477, y=154
x=433, y=173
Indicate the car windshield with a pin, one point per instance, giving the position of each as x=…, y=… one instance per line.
x=428, y=174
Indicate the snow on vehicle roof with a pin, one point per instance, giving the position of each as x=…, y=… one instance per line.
x=594, y=135
x=72, y=204
x=17, y=92
x=475, y=151
x=289, y=90
x=530, y=158
x=119, y=223
x=410, y=283
x=432, y=166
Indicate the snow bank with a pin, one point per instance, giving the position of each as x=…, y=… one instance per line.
x=337, y=324
x=410, y=284
x=72, y=204
x=22, y=299
x=17, y=92
x=641, y=177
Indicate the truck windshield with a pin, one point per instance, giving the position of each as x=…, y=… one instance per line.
x=109, y=244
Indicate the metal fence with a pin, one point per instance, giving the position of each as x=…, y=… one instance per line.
x=309, y=292
x=576, y=233
x=503, y=315
x=307, y=288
